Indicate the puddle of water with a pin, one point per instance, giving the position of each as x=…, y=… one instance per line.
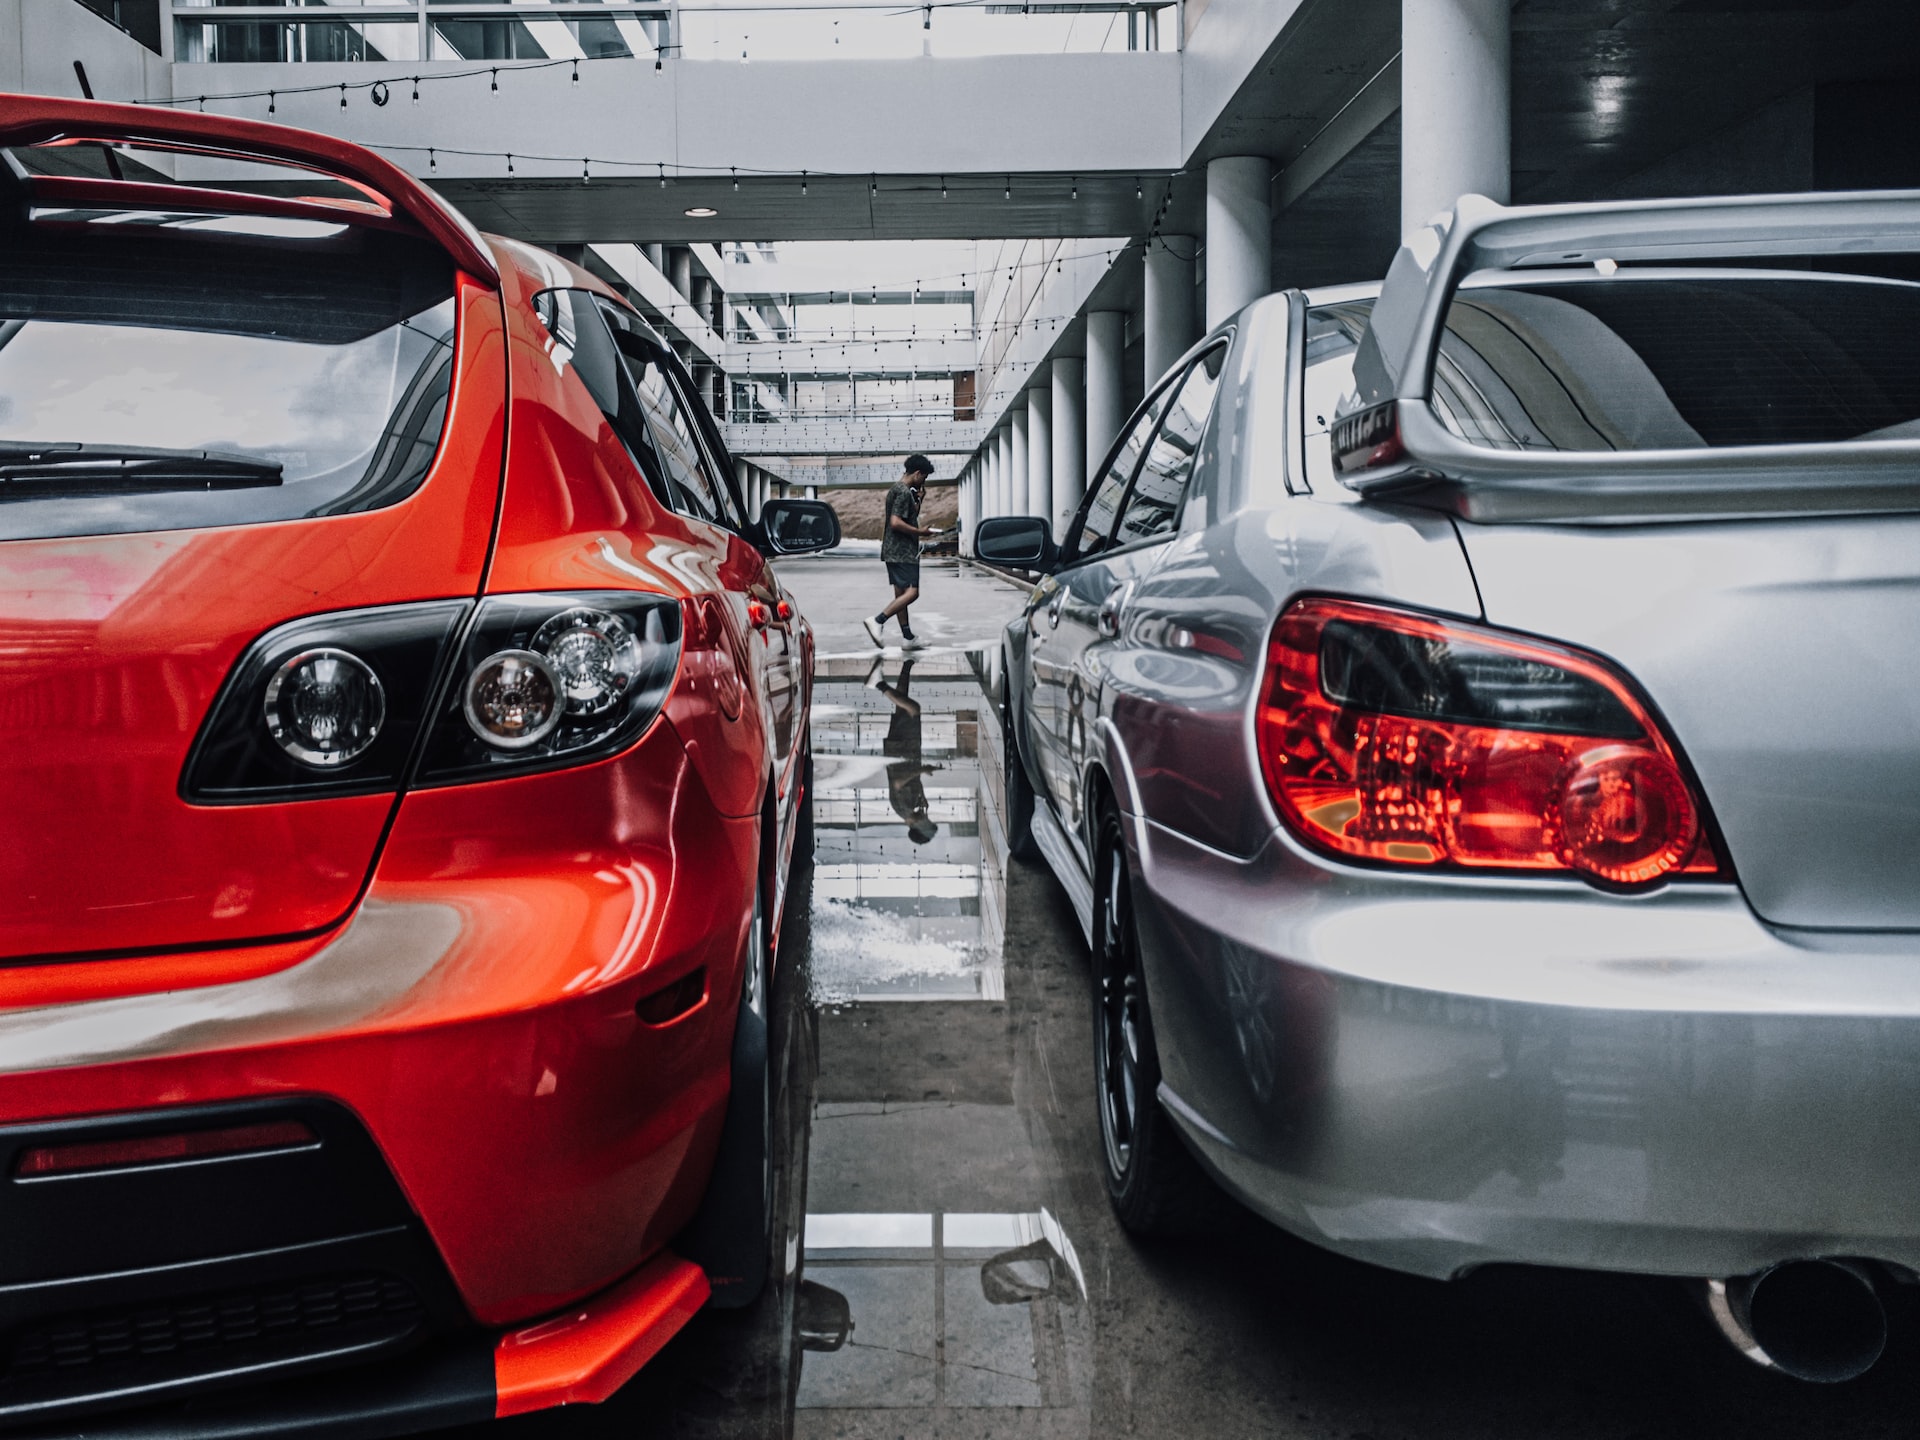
x=939, y=1311
x=910, y=852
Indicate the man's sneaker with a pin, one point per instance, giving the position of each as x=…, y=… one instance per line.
x=909, y=640
x=873, y=631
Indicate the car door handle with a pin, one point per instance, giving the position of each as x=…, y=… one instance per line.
x=1053, y=610
x=1108, y=619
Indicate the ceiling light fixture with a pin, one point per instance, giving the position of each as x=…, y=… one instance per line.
x=700, y=212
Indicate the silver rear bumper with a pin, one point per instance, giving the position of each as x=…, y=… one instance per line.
x=1433, y=1074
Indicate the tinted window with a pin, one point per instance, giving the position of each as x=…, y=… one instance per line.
x=1643, y=364
x=586, y=346
x=695, y=490
x=1104, y=505
x=1162, y=482
x=1327, y=389
x=167, y=381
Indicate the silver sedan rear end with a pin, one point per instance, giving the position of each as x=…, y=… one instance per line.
x=1480, y=729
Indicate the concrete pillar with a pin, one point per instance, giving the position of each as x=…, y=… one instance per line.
x=1003, y=457
x=680, y=270
x=743, y=477
x=1455, y=104
x=1106, y=387
x=996, y=472
x=1170, y=318
x=1239, y=233
x=1069, y=440
x=1017, y=474
x=1040, y=452
x=657, y=257
x=813, y=492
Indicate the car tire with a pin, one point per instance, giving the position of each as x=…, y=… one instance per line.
x=803, y=812
x=1021, y=844
x=1156, y=1187
x=731, y=1236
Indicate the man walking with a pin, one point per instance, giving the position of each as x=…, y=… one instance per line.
x=900, y=537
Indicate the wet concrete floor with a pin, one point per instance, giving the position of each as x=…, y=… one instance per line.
x=950, y=1266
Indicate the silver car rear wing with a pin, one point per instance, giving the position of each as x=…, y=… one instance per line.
x=1393, y=442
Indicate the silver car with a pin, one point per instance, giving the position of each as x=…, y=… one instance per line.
x=1477, y=720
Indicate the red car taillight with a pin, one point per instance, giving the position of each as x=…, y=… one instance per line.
x=1392, y=737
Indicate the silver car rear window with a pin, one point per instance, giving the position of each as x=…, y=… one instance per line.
x=1644, y=363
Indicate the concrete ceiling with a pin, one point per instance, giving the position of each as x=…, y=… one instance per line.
x=834, y=207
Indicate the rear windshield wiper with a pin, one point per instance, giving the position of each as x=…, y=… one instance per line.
x=32, y=470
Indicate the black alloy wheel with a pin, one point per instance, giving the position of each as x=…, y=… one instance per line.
x=1155, y=1185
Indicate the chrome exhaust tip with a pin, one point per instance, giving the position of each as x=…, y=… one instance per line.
x=1816, y=1320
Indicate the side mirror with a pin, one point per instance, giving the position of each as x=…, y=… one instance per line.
x=1024, y=542
x=798, y=527
x=825, y=1319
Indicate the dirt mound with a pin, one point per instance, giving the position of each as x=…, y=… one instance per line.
x=860, y=511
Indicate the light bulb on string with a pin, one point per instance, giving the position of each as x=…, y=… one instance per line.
x=663, y=175
x=509, y=162
x=736, y=178
x=343, y=97
x=576, y=74
x=270, y=109
x=433, y=165
x=495, y=87
x=586, y=174
x=416, y=89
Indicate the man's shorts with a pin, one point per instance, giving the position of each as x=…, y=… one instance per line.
x=903, y=572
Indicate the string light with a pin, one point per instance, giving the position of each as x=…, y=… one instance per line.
x=416, y=86
x=736, y=178
x=496, y=80
x=586, y=174
x=433, y=165
x=270, y=102
x=943, y=187
x=343, y=98
x=1076, y=189
x=663, y=175
x=509, y=162
x=576, y=74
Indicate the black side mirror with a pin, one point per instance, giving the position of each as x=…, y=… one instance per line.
x=797, y=527
x=1024, y=542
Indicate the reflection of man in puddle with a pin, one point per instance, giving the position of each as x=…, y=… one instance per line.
x=902, y=748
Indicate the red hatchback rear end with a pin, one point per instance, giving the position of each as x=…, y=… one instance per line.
x=403, y=739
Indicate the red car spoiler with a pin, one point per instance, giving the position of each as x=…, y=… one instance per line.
x=38, y=120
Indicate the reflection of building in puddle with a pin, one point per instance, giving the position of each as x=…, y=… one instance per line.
x=909, y=884
x=942, y=1311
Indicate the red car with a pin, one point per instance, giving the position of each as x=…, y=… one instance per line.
x=403, y=741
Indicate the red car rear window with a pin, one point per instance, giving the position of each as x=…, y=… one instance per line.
x=215, y=370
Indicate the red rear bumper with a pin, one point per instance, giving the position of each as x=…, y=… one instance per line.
x=477, y=1014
